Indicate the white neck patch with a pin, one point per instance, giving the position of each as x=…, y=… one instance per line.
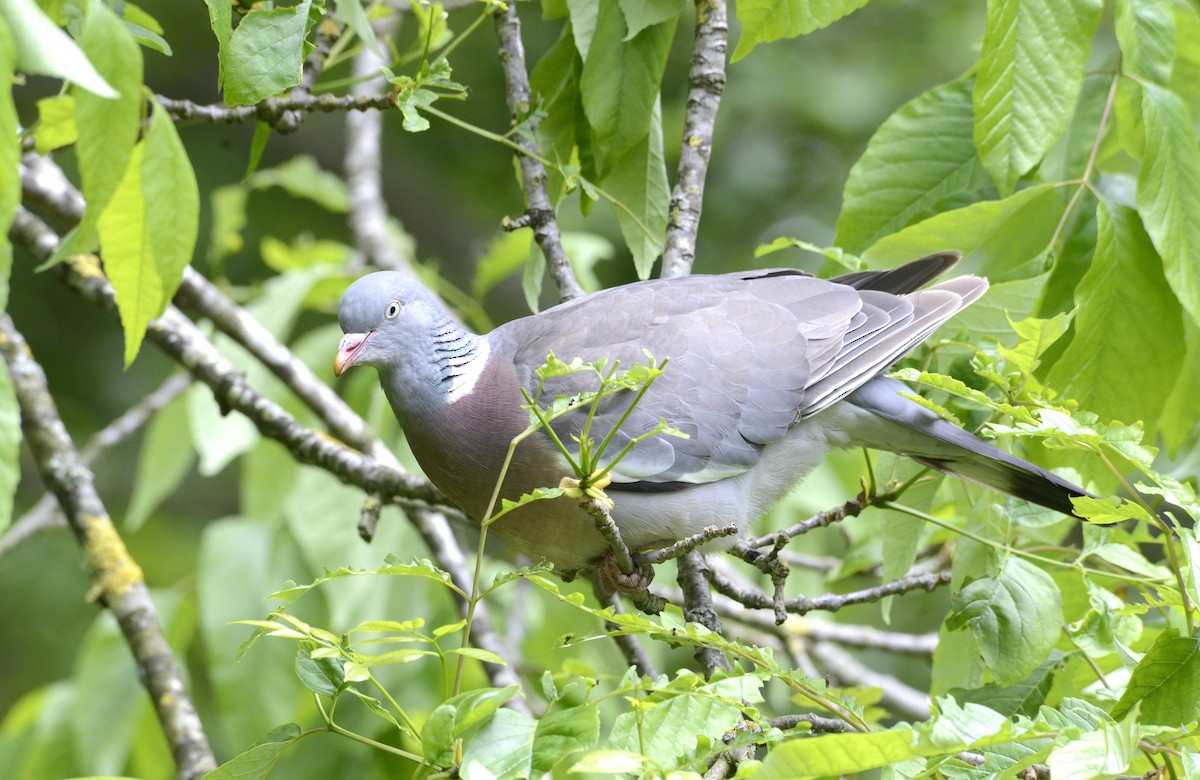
x=463, y=381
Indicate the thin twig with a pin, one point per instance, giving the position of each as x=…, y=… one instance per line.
x=117, y=579
x=539, y=211
x=179, y=339
x=45, y=514
x=829, y=602
x=629, y=645
x=902, y=699
x=706, y=84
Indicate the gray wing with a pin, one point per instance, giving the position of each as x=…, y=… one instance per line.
x=750, y=354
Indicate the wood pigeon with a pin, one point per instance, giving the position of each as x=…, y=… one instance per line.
x=767, y=370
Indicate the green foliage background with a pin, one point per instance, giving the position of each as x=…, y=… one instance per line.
x=901, y=129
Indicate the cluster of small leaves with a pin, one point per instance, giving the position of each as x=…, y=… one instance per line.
x=473, y=734
x=141, y=193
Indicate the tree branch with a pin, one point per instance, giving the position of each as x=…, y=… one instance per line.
x=829, y=602
x=118, y=580
x=539, y=211
x=44, y=514
x=698, y=608
x=179, y=339
x=272, y=110
x=903, y=699
x=706, y=84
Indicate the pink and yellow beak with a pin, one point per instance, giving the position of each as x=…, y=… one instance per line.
x=348, y=349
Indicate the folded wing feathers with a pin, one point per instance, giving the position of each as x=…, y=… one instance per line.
x=907, y=326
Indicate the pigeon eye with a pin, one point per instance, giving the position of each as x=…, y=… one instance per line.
x=393, y=310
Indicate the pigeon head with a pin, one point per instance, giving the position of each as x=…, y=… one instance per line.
x=385, y=316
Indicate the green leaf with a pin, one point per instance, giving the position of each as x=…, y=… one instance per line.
x=352, y=13
x=478, y=654
x=1182, y=408
x=505, y=254
x=219, y=438
x=323, y=676
x=667, y=732
x=620, y=82
x=1123, y=304
x=10, y=446
x=265, y=54
x=965, y=229
x=303, y=177
x=504, y=746
x=1030, y=72
x=165, y=459
x=56, y=124
x=562, y=733
x=1105, y=752
x=453, y=717
x=764, y=21
x=1146, y=33
x=639, y=182
x=128, y=257
x=44, y=49
x=1023, y=698
x=1016, y=617
x=108, y=128
x=220, y=18
x=145, y=29
x=1166, y=682
x=920, y=162
x=640, y=14
x=258, y=760
x=10, y=161
x=1168, y=191
x=583, y=15
x=172, y=202
x=831, y=755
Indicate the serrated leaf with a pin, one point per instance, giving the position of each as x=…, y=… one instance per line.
x=1029, y=76
x=453, y=717
x=44, y=49
x=1123, y=304
x=220, y=18
x=920, y=162
x=1146, y=33
x=764, y=21
x=1168, y=191
x=1022, y=698
x=619, y=84
x=258, y=759
x=564, y=732
x=265, y=54
x=831, y=755
x=639, y=182
x=667, y=733
x=965, y=229
x=172, y=202
x=1105, y=752
x=1166, y=682
x=640, y=14
x=108, y=128
x=504, y=745
x=1016, y=617
x=1106, y=511
x=129, y=260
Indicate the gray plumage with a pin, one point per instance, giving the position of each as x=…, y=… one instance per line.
x=768, y=370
